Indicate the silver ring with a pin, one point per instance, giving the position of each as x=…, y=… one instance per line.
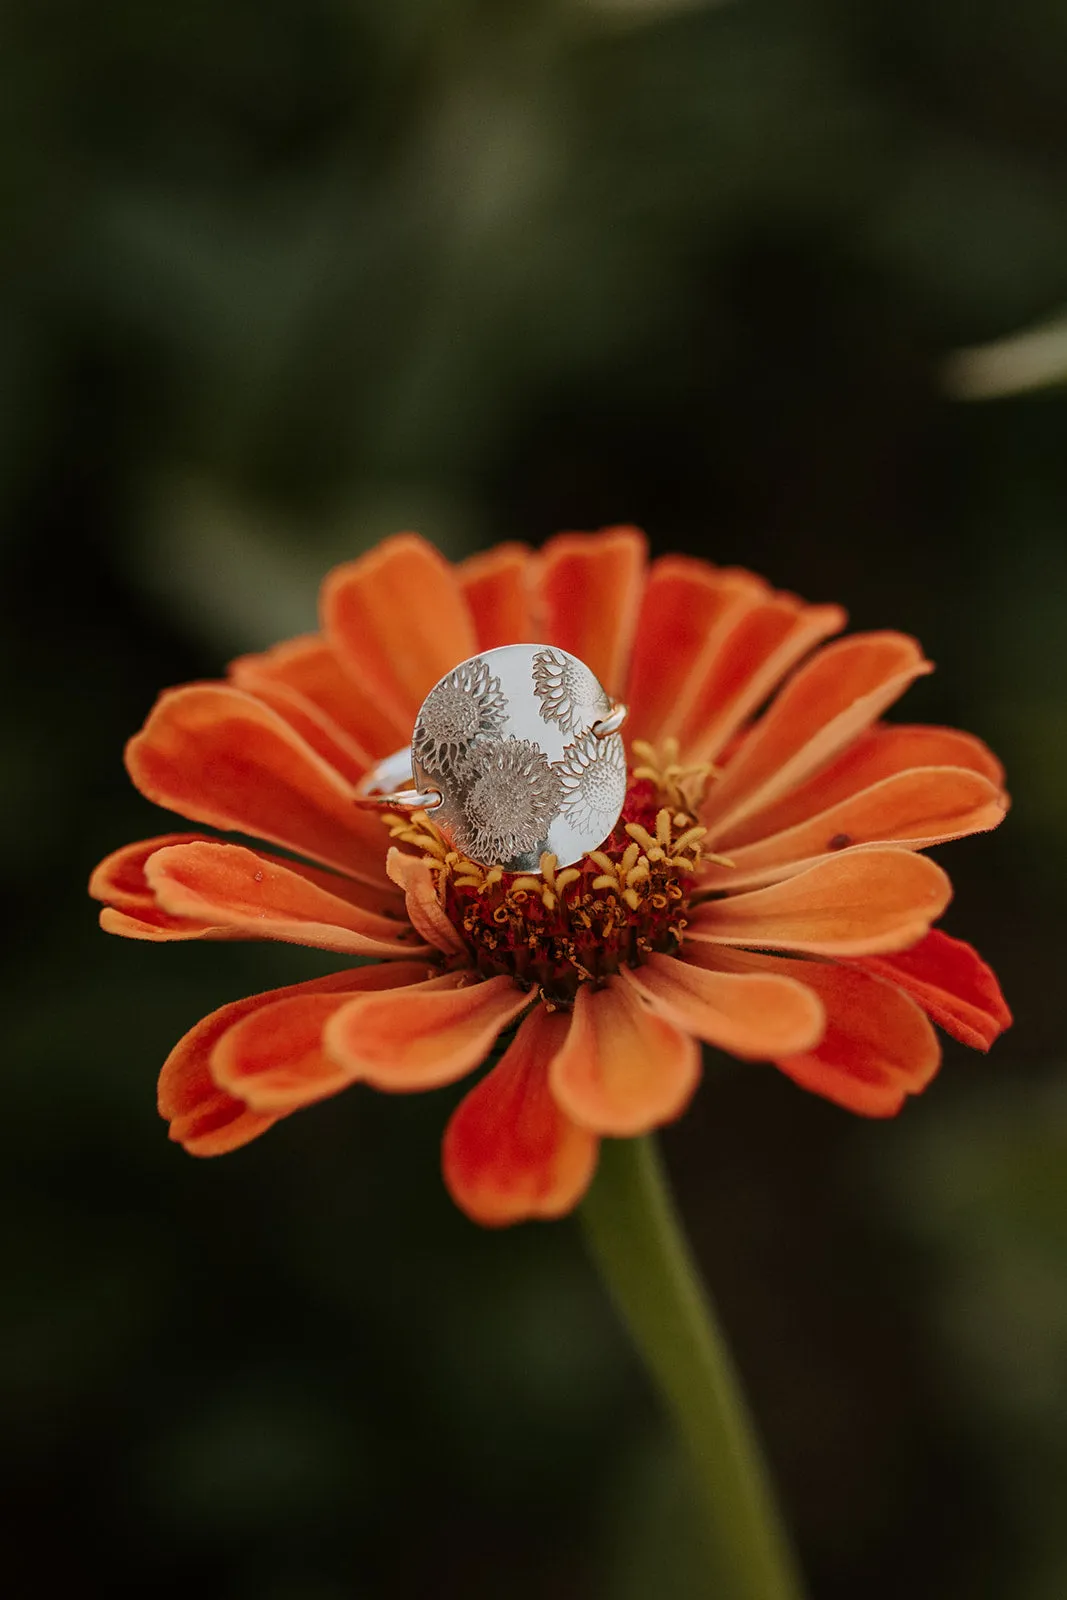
x=381, y=786
x=517, y=752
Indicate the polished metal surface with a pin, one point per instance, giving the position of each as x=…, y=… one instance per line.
x=521, y=744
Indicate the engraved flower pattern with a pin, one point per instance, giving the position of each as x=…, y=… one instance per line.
x=465, y=706
x=568, y=692
x=512, y=796
x=593, y=775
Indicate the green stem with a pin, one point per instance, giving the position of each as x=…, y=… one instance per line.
x=635, y=1237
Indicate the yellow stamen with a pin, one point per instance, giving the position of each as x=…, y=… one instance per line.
x=683, y=787
x=689, y=837
x=642, y=836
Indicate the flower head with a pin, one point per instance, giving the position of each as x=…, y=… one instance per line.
x=566, y=689
x=589, y=770
x=512, y=793
x=466, y=706
x=764, y=889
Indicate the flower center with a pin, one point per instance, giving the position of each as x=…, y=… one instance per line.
x=580, y=925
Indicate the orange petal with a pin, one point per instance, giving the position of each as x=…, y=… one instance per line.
x=262, y=898
x=274, y=1059
x=130, y=906
x=764, y=640
x=155, y=927
x=415, y=876
x=590, y=591
x=881, y=752
x=509, y=1152
x=953, y=985
x=623, y=1068
x=687, y=610
x=827, y=703
x=758, y=1015
x=398, y=621
x=120, y=879
x=498, y=586
x=878, y=1047
x=861, y=903
x=428, y=1035
x=919, y=808
x=309, y=666
x=219, y=755
x=203, y=1117
x=325, y=737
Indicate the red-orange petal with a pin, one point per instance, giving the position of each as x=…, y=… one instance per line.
x=155, y=927
x=119, y=880
x=953, y=985
x=916, y=809
x=827, y=703
x=203, y=1118
x=274, y=1058
x=590, y=590
x=862, y=902
x=623, y=1068
x=509, y=1152
x=878, y=1046
x=756, y=1015
x=429, y=1035
x=309, y=666
x=499, y=588
x=882, y=752
x=326, y=737
x=398, y=621
x=130, y=907
x=261, y=898
x=765, y=640
x=221, y=756
x=415, y=876
x=687, y=610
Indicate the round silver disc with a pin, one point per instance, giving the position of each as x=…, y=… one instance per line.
x=507, y=739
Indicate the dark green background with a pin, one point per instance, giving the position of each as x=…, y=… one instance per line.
x=280, y=277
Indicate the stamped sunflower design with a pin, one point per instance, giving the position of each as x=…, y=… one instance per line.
x=513, y=794
x=467, y=705
x=592, y=772
x=569, y=694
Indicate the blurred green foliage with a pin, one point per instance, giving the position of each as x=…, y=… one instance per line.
x=278, y=279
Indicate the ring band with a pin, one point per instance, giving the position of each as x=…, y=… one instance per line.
x=381, y=786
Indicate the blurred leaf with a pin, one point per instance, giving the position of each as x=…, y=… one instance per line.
x=1036, y=359
x=632, y=13
x=244, y=580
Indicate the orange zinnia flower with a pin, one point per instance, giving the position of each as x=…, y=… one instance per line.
x=763, y=890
